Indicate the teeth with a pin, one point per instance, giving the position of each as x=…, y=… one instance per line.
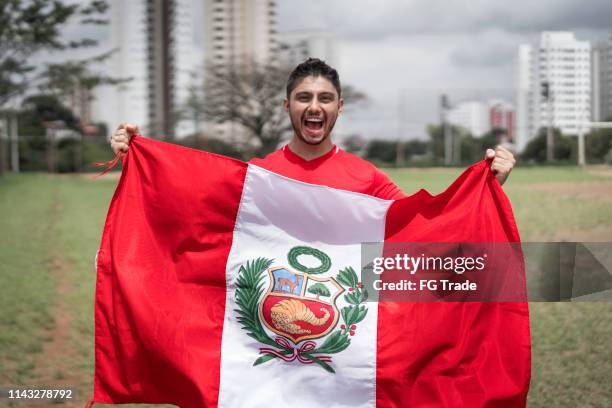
x=314, y=120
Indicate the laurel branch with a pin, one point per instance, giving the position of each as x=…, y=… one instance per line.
x=351, y=315
x=250, y=288
x=295, y=252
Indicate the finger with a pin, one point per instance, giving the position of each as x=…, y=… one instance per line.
x=132, y=129
x=509, y=161
x=500, y=168
x=503, y=152
x=500, y=148
x=119, y=147
x=119, y=136
x=489, y=154
x=120, y=139
x=503, y=161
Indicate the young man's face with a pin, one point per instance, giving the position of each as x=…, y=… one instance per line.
x=313, y=107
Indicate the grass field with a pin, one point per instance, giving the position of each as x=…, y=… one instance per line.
x=51, y=225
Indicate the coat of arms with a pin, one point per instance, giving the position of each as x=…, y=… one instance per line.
x=297, y=307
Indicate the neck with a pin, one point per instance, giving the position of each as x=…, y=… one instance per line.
x=307, y=151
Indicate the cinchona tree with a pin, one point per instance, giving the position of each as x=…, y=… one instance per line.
x=319, y=289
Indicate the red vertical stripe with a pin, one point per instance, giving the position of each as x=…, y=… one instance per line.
x=160, y=292
x=453, y=354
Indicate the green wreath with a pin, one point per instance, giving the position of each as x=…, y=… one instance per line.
x=250, y=288
x=292, y=257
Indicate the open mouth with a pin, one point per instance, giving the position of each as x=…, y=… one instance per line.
x=313, y=125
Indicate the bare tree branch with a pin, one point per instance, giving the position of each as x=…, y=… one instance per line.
x=251, y=96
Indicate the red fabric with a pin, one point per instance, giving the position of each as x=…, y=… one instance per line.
x=156, y=312
x=337, y=169
x=454, y=354
x=159, y=317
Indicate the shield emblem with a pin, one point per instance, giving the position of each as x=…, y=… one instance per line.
x=299, y=306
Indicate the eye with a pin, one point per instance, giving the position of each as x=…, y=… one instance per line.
x=326, y=98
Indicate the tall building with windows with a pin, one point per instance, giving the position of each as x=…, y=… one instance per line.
x=297, y=46
x=478, y=117
x=524, y=102
x=602, y=80
x=473, y=116
x=554, y=85
x=502, y=116
x=239, y=31
x=236, y=34
x=153, y=43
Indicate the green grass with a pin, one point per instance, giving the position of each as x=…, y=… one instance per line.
x=44, y=216
x=26, y=287
x=436, y=180
x=83, y=210
x=571, y=353
x=540, y=216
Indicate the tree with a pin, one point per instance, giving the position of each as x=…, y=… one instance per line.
x=436, y=138
x=381, y=150
x=76, y=80
x=28, y=27
x=565, y=147
x=37, y=114
x=38, y=109
x=319, y=289
x=73, y=82
x=193, y=107
x=416, y=148
x=599, y=144
x=354, y=143
x=437, y=145
x=211, y=145
x=251, y=96
x=353, y=97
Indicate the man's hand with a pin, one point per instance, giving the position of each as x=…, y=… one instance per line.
x=120, y=140
x=503, y=162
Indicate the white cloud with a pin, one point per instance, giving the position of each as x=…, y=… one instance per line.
x=424, y=48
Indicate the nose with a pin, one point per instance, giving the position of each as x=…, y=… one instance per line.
x=314, y=107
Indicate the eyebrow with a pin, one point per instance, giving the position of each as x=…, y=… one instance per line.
x=323, y=93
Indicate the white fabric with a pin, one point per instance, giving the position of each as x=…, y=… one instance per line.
x=275, y=215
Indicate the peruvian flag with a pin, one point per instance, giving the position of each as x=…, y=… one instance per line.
x=220, y=283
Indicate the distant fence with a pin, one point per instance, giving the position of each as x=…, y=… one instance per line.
x=39, y=153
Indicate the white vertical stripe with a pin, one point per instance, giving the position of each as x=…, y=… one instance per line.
x=275, y=215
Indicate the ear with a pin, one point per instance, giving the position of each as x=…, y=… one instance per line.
x=286, y=104
x=340, y=105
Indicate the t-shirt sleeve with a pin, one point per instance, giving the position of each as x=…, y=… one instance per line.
x=383, y=187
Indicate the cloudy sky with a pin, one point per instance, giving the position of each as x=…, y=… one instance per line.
x=414, y=50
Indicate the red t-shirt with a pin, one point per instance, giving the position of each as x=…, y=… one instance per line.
x=337, y=169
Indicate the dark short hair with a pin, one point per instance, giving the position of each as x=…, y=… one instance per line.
x=313, y=67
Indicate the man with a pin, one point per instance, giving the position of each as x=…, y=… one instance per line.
x=313, y=102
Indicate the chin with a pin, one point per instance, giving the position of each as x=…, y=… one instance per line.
x=313, y=140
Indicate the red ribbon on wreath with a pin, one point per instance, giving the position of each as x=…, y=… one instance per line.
x=296, y=353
